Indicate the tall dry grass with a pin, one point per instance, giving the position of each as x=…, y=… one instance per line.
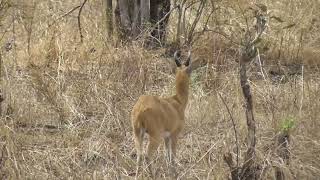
x=67, y=105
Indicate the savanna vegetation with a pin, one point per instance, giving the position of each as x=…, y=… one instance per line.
x=71, y=72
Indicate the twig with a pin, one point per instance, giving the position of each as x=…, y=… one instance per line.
x=69, y=12
x=165, y=16
x=200, y=33
x=56, y=20
x=162, y=19
x=243, y=15
x=302, y=91
x=79, y=20
x=209, y=150
x=195, y=22
x=260, y=64
x=224, y=35
x=234, y=126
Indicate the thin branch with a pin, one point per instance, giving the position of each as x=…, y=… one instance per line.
x=243, y=15
x=302, y=91
x=255, y=40
x=234, y=127
x=165, y=16
x=162, y=19
x=191, y=4
x=79, y=20
x=59, y=18
x=200, y=33
x=260, y=65
x=224, y=35
x=195, y=22
x=200, y=159
x=68, y=13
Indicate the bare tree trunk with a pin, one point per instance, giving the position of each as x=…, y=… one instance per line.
x=136, y=24
x=162, y=26
x=159, y=16
x=179, y=26
x=109, y=17
x=195, y=22
x=145, y=12
x=125, y=22
x=134, y=16
x=248, y=171
x=248, y=168
x=1, y=95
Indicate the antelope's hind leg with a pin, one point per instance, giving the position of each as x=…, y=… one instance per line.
x=138, y=139
x=154, y=142
x=168, y=146
x=169, y=156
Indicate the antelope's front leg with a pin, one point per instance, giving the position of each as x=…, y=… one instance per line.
x=169, y=144
x=152, y=147
x=173, y=150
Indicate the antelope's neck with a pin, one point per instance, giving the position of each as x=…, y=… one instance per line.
x=182, y=92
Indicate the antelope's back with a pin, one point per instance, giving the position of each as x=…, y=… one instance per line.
x=156, y=112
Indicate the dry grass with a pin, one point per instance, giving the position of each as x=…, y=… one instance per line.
x=67, y=105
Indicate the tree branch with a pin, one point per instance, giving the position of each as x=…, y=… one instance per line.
x=234, y=128
x=79, y=20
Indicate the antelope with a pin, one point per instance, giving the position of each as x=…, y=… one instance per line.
x=162, y=117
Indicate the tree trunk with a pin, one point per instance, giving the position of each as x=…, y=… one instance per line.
x=123, y=18
x=163, y=24
x=134, y=16
x=248, y=168
x=109, y=17
x=159, y=17
x=145, y=12
x=136, y=24
x=1, y=95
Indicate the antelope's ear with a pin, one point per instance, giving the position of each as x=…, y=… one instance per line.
x=177, y=58
x=188, y=62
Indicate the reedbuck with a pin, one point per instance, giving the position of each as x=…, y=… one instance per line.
x=162, y=117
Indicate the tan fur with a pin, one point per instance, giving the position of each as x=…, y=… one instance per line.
x=161, y=118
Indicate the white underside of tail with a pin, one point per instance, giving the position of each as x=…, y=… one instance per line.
x=166, y=134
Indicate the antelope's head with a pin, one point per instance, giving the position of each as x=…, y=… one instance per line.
x=183, y=70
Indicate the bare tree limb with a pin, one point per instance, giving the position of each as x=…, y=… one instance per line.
x=224, y=35
x=234, y=128
x=249, y=160
x=234, y=170
x=68, y=13
x=195, y=22
x=79, y=20
x=1, y=95
x=250, y=168
x=145, y=12
x=198, y=34
x=109, y=17
x=163, y=18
